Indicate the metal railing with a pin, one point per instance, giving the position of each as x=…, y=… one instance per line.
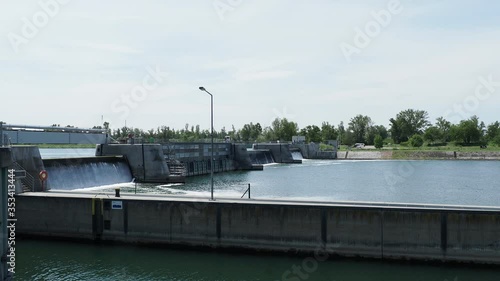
x=248, y=190
x=27, y=179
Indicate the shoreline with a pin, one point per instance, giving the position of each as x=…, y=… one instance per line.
x=417, y=155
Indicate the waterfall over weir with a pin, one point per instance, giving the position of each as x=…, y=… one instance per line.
x=297, y=155
x=261, y=156
x=76, y=173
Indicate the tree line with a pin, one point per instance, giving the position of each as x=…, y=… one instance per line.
x=408, y=127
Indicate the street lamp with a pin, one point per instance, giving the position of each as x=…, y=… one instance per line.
x=212, y=135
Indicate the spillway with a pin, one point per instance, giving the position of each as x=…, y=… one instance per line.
x=76, y=173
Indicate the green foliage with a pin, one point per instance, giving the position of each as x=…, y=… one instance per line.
x=416, y=140
x=496, y=140
x=408, y=123
x=328, y=132
x=325, y=147
x=470, y=132
x=467, y=131
x=250, y=132
x=432, y=134
x=493, y=131
x=444, y=127
x=312, y=133
x=378, y=141
x=359, y=126
x=284, y=130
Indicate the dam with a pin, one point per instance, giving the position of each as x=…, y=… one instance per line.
x=448, y=233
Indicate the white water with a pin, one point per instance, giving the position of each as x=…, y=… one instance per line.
x=77, y=176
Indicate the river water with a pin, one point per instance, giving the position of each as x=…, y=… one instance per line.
x=429, y=182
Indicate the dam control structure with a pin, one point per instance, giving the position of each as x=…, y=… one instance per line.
x=437, y=233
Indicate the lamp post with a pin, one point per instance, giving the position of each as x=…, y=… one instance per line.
x=212, y=137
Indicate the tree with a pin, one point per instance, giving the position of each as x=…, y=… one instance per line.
x=250, y=132
x=493, y=131
x=416, y=140
x=341, y=130
x=373, y=131
x=312, y=133
x=382, y=131
x=408, y=123
x=496, y=140
x=467, y=131
x=283, y=129
x=359, y=126
x=444, y=127
x=378, y=141
x=432, y=134
x=328, y=132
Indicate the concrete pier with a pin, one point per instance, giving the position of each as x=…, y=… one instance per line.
x=354, y=229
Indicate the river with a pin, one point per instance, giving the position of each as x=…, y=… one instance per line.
x=428, y=182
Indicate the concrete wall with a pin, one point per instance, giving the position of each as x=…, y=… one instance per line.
x=195, y=151
x=360, y=230
x=311, y=151
x=30, y=159
x=281, y=152
x=146, y=161
x=195, y=157
x=241, y=157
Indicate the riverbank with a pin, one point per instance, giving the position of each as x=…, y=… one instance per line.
x=417, y=155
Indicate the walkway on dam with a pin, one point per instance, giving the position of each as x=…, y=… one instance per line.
x=199, y=199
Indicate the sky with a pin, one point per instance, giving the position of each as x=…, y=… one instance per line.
x=140, y=63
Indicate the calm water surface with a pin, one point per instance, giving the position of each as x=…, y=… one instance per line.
x=43, y=260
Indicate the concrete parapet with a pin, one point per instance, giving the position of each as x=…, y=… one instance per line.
x=29, y=158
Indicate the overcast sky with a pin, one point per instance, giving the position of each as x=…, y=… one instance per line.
x=74, y=61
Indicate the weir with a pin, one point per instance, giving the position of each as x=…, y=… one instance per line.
x=261, y=156
x=75, y=173
x=297, y=155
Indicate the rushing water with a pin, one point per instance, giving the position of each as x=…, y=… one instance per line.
x=437, y=182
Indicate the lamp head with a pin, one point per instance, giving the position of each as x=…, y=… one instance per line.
x=202, y=89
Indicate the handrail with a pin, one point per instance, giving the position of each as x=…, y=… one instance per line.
x=248, y=190
x=29, y=180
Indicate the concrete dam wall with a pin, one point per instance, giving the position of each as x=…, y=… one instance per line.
x=382, y=231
